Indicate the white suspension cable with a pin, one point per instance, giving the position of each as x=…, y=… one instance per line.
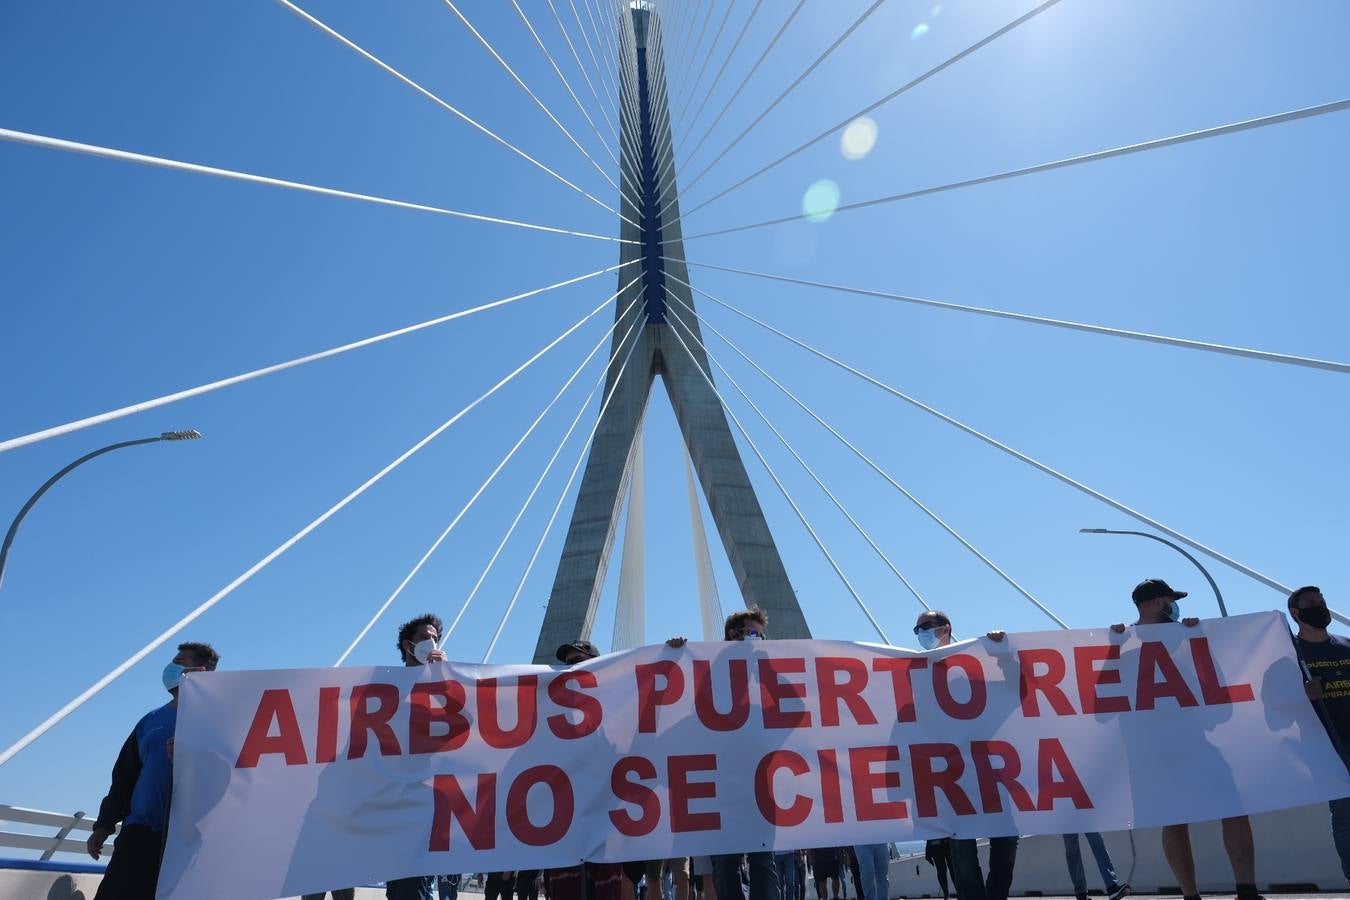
x=261, y=564
x=1266, y=355
x=746, y=80
x=531, y=94
x=709, y=603
x=630, y=620
x=857, y=23
x=717, y=79
x=625, y=111
x=838, y=504
x=782, y=489
x=703, y=69
x=685, y=87
x=600, y=105
x=870, y=108
x=51, y=143
x=883, y=473
x=1016, y=454
x=384, y=607
x=1217, y=131
x=110, y=415
x=520, y=514
x=581, y=458
x=464, y=117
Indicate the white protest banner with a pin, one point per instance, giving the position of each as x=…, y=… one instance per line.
x=294, y=781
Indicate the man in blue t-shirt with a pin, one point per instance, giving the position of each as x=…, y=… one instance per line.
x=139, y=796
x=1326, y=662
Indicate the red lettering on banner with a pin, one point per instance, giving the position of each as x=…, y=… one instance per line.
x=489, y=716
x=423, y=714
x=902, y=682
x=1046, y=682
x=274, y=705
x=650, y=696
x=563, y=802
x=942, y=689
x=564, y=696
x=1153, y=657
x=478, y=821
x=991, y=778
x=1090, y=678
x=831, y=798
x=866, y=783
x=641, y=796
x=1051, y=757
x=682, y=790
x=927, y=781
x=773, y=692
x=832, y=692
x=366, y=720
x=325, y=750
x=1215, y=694
x=796, y=812
x=738, y=675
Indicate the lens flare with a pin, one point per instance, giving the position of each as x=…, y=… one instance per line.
x=858, y=138
x=820, y=200
x=919, y=31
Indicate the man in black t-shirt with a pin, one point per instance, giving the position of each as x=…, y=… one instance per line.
x=1326, y=661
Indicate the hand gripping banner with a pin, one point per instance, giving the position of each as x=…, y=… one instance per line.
x=300, y=780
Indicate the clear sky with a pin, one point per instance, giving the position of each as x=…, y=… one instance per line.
x=121, y=283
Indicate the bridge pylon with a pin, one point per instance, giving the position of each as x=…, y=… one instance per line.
x=658, y=245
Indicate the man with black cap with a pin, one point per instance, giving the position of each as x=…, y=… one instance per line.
x=1158, y=604
x=1326, y=662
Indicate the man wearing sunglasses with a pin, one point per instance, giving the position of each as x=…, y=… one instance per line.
x=934, y=631
x=139, y=796
x=1326, y=662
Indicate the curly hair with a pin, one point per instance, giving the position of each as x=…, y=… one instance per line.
x=205, y=655
x=736, y=621
x=409, y=628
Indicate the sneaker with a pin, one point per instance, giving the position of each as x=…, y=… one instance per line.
x=1120, y=890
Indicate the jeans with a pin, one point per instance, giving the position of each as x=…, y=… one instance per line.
x=421, y=887
x=875, y=864
x=1073, y=855
x=970, y=884
x=1340, y=832
x=785, y=864
x=763, y=877
x=448, y=886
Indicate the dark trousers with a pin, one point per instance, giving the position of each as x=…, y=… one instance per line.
x=970, y=883
x=763, y=877
x=498, y=887
x=133, y=871
x=419, y=887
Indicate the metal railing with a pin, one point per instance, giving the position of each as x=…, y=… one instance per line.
x=60, y=842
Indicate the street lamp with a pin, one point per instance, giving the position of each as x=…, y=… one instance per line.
x=1223, y=610
x=189, y=435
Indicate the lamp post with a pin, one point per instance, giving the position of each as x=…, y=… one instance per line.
x=1223, y=610
x=189, y=435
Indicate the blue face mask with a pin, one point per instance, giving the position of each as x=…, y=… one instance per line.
x=928, y=639
x=173, y=672
x=1173, y=611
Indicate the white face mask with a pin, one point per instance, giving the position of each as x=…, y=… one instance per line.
x=422, y=650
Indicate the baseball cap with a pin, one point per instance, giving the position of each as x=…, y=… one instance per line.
x=1152, y=589
x=585, y=647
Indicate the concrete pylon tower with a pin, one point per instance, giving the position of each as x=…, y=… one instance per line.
x=647, y=149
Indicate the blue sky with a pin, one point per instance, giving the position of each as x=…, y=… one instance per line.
x=122, y=283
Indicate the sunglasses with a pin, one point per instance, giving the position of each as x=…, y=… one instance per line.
x=930, y=625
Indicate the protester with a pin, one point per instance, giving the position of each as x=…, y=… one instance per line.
x=874, y=866
x=799, y=875
x=825, y=868
x=934, y=629
x=746, y=625
x=702, y=870
x=138, y=798
x=938, y=853
x=785, y=863
x=418, y=641
x=499, y=886
x=1158, y=604
x=1073, y=856
x=851, y=860
x=447, y=886
x=1326, y=663
x=527, y=887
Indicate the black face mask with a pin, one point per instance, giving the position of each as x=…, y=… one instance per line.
x=1315, y=616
